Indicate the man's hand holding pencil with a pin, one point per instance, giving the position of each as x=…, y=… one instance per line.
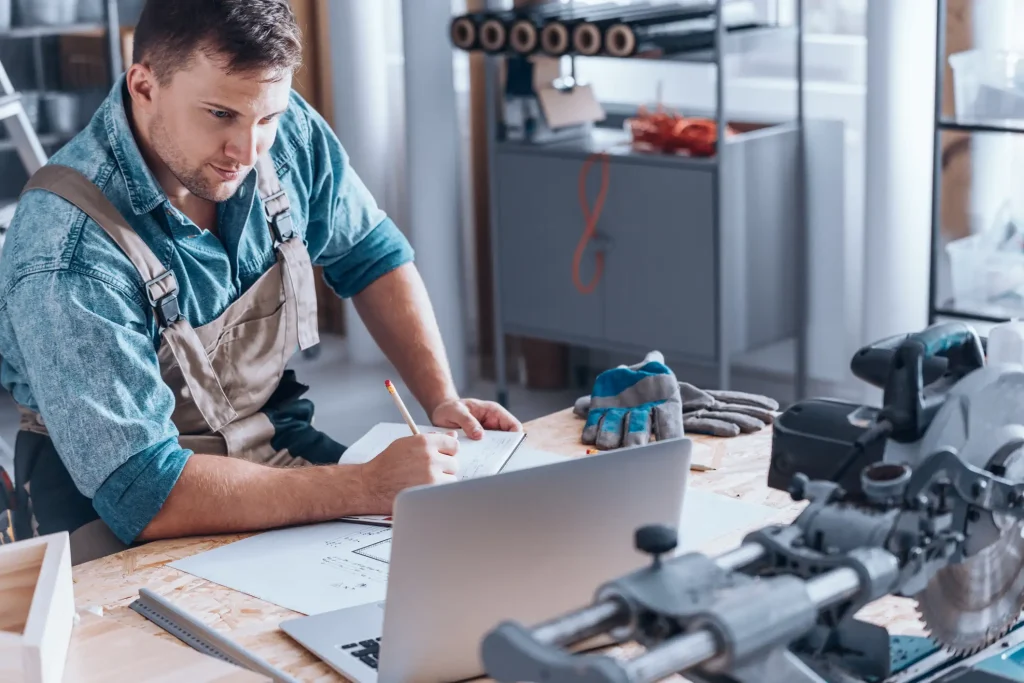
x=422, y=459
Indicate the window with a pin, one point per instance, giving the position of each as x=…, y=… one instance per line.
x=823, y=17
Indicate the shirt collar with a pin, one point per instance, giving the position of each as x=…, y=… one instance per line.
x=144, y=193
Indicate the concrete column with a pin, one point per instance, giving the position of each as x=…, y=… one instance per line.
x=433, y=174
x=359, y=78
x=900, y=110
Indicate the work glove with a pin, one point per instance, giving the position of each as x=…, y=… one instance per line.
x=631, y=403
x=725, y=413
x=717, y=413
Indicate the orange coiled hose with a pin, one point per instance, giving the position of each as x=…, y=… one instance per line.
x=669, y=132
x=590, y=218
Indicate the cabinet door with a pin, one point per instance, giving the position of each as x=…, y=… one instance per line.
x=539, y=225
x=660, y=272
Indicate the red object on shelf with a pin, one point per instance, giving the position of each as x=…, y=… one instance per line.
x=672, y=133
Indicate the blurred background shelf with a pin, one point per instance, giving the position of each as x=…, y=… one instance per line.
x=48, y=31
x=61, y=71
x=947, y=123
x=737, y=41
x=943, y=312
x=45, y=139
x=977, y=245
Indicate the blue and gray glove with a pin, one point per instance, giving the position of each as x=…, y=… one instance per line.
x=715, y=413
x=631, y=403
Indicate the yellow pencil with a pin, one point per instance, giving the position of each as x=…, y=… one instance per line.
x=401, y=406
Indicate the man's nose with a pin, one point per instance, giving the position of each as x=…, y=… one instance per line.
x=244, y=147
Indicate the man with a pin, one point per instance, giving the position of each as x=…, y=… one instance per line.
x=158, y=276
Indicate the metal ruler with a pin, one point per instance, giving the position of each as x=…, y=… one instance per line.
x=201, y=637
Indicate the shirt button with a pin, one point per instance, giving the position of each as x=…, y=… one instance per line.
x=241, y=192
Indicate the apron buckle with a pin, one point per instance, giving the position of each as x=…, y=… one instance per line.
x=166, y=306
x=281, y=226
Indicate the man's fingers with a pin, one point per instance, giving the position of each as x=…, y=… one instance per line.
x=447, y=443
x=468, y=422
x=442, y=477
x=505, y=421
x=494, y=416
x=445, y=463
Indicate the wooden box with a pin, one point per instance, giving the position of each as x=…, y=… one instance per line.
x=37, y=609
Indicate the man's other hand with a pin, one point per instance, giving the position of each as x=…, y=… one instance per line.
x=407, y=462
x=474, y=416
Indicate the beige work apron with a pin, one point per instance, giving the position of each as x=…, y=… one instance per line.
x=224, y=372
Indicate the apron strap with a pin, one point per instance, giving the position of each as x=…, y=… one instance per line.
x=160, y=284
x=298, y=270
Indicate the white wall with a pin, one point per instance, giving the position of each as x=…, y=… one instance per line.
x=359, y=78
x=397, y=120
x=434, y=180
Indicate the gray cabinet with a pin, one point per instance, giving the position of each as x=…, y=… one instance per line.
x=541, y=226
x=674, y=276
x=660, y=272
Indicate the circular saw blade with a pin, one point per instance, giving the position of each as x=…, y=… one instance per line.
x=970, y=605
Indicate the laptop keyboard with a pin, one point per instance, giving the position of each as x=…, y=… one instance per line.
x=366, y=651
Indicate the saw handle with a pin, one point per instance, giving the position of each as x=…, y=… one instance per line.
x=910, y=402
x=872, y=363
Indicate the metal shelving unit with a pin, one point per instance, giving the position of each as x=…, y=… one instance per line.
x=943, y=123
x=111, y=26
x=45, y=31
x=726, y=42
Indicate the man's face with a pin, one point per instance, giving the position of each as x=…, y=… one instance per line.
x=209, y=126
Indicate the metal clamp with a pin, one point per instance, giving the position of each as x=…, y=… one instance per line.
x=166, y=307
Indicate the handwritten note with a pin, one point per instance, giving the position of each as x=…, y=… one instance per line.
x=476, y=458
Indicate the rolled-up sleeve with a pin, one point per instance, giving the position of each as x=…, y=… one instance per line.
x=89, y=356
x=348, y=234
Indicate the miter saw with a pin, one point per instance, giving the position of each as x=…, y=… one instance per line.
x=936, y=517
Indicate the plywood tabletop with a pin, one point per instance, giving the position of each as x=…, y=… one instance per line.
x=112, y=583
x=104, y=651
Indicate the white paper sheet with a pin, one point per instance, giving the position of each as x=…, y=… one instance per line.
x=708, y=516
x=323, y=567
x=524, y=458
x=309, y=569
x=476, y=458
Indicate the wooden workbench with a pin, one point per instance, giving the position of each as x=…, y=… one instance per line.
x=112, y=583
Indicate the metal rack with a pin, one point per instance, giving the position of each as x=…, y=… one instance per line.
x=111, y=26
x=724, y=43
x=941, y=124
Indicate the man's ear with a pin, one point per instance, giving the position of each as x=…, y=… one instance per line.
x=141, y=83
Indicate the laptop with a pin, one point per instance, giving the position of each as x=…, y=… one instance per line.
x=527, y=545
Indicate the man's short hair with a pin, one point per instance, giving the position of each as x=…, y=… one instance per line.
x=248, y=35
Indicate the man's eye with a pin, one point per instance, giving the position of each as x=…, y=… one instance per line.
x=217, y=113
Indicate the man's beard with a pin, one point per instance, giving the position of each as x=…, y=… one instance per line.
x=192, y=179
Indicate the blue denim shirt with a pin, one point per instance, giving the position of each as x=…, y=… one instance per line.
x=78, y=338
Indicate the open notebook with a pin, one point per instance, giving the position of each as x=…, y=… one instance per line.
x=477, y=458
